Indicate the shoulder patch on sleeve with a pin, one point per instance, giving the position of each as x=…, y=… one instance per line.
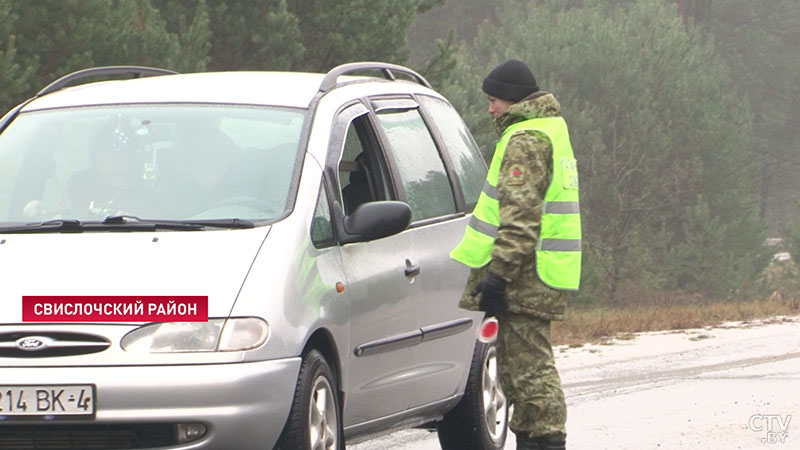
x=516, y=175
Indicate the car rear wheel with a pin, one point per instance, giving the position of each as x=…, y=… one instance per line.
x=480, y=420
x=314, y=420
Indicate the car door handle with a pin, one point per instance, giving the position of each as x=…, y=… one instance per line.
x=412, y=270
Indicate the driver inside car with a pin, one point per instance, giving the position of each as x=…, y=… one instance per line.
x=114, y=183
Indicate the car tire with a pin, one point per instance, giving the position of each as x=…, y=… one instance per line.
x=480, y=420
x=314, y=421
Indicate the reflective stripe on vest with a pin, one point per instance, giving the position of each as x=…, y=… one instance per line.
x=558, y=252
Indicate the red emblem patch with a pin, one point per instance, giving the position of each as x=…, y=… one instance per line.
x=517, y=175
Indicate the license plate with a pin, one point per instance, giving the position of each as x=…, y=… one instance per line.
x=46, y=401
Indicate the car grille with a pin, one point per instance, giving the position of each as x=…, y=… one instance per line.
x=86, y=437
x=49, y=344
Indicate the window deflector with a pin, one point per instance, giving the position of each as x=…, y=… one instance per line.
x=393, y=104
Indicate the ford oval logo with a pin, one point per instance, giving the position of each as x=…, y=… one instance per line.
x=31, y=343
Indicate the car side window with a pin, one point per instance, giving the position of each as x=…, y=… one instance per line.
x=363, y=176
x=422, y=172
x=321, y=226
x=470, y=168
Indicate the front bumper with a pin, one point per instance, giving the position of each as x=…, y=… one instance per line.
x=243, y=405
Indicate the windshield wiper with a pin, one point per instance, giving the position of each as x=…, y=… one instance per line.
x=76, y=226
x=222, y=223
x=50, y=226
x=124, y=223
x=181, y=224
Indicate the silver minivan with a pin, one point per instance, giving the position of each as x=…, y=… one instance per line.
x=309, y=218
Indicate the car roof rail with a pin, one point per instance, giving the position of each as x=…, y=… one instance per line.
x=330, y=80
x=136, y=71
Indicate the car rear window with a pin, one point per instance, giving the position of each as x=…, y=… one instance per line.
x=421, y=168
x=467, y=160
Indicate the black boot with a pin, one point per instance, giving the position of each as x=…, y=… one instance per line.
x=540, y=443
x=526, y=443
x=547, y=444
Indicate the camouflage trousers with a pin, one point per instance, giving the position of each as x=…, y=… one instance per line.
x=529, y=377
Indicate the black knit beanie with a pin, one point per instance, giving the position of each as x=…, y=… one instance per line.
x=511, y=80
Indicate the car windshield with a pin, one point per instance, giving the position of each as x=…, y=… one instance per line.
x=173, y=162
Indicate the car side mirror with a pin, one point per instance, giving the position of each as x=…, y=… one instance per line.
x=375, y=220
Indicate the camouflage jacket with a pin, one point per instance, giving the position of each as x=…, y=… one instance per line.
x=525, y=176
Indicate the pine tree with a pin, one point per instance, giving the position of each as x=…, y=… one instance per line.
x=260, y=35
x=189, y=21
x=16, y=72
x=74, y=34
x=60, y=36
x=333, y=33
x=760, y=44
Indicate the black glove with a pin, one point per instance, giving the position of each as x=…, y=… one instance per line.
x=493, y=294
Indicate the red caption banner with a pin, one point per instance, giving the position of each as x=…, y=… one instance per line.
x=114, y=308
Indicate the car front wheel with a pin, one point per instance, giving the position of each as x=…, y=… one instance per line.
x=314, y=420
x=480, y=420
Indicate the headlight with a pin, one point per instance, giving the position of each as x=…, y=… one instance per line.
x=234, y=334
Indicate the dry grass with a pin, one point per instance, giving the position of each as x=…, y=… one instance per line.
x=601, y=324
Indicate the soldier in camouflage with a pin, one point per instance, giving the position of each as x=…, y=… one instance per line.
x=509, y=286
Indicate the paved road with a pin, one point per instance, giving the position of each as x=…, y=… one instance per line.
x=731, y=387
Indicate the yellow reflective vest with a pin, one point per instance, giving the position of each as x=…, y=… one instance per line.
x=558, y=252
